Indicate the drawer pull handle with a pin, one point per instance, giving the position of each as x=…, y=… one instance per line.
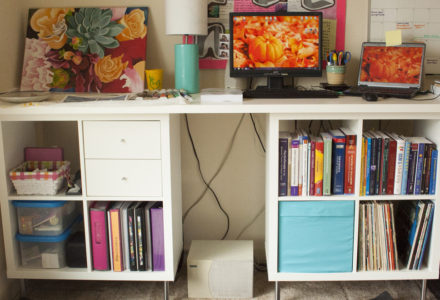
x=123, y=141
x=124, y=179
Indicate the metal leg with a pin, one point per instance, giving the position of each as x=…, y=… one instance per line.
x=22, y=287
x=165, y=290
x=277, y=290
x=423, y=292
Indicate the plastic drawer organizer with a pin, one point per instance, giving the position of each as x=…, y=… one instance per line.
x=47, y=252
x=310, y=232
x=45, y=218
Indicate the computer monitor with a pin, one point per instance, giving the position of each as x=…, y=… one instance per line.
x=276, y=45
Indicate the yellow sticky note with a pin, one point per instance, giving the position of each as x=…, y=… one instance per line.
x=393, y=38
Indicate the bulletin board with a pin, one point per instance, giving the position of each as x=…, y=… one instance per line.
x=213, y=48
x=418, y=20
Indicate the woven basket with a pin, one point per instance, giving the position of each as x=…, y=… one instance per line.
x=39, y=177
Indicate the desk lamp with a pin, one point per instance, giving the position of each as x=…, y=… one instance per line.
x=187, y=18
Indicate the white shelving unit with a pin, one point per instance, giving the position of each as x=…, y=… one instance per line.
x=415, y=125
x=38, y=125
x=162, y=184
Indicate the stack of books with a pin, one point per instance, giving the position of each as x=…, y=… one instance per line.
x=127, y=236
x=396, y=165
x=319, y=165
x=377, y=237
x=414, y=227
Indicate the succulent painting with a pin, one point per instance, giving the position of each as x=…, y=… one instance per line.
x=86, y=50
x=91, y=30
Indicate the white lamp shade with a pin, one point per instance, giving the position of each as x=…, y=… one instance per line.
x=186, y=17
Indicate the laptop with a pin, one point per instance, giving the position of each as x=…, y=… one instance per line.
x=395, y=71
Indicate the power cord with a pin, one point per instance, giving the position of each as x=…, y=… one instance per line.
x=207, y=184
x=256, y=131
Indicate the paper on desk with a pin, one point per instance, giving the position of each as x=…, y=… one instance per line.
x=393, y=38
x=73, y=98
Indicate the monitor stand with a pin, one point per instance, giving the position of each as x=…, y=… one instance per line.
x=274, y=83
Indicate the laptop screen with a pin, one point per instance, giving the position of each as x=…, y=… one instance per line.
x=397, y=66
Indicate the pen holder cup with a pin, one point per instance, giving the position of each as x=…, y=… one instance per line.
x=335, y=74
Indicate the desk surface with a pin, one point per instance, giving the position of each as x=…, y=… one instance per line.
x=347, y=106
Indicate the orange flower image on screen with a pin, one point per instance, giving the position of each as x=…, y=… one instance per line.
x=391, y=64
x=277, y=41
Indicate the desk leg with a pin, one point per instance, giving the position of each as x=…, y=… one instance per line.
x=165, y=290
x=22, y=287
x=277, y=290
x=423, y=292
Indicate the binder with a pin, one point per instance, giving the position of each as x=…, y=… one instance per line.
x=116, y=237
x=140, y=236
x=131, y=222
x=98, y=228
x=157, y=237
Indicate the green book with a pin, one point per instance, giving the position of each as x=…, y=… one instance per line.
x=327, y=170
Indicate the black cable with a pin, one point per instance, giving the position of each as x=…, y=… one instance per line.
x=256, y=131
x=203, y=178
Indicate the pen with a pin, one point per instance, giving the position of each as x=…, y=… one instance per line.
x=185, y=95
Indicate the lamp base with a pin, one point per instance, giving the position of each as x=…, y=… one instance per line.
x=186, y=67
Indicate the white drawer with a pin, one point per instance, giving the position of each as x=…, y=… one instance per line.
x=122, y=139
x=123, y=177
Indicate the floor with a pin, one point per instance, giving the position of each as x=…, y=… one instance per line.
x=106, y=290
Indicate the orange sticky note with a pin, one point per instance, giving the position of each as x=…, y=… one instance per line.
x=393, y=38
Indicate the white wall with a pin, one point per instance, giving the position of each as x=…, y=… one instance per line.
x=240, y=185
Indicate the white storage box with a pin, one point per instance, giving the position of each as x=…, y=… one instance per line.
x=44, y=252
x=45, y=218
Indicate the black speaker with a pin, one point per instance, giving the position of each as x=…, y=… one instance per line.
x=76, y=250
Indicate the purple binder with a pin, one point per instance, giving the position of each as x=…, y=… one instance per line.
x=157, y=236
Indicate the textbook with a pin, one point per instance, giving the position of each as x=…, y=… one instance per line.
x=284, y=151
x=326, y=176
x=338, y=161
x=350, y=160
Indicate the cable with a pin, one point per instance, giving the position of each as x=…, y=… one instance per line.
x=424, y=99
x=207, y=184
x=250, y=223
x=256, y=131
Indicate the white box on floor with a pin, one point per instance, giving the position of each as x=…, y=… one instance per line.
x=220, y=269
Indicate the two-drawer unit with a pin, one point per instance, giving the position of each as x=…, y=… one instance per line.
x=123, y=158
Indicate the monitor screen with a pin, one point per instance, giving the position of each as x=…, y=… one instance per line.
x=276, y=44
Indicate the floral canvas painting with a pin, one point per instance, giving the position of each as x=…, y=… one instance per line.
x=85, y=50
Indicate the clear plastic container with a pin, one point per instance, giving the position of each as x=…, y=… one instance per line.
x=45, y=218
x=44, y=252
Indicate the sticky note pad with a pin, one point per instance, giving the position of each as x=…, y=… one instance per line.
x=393, y=38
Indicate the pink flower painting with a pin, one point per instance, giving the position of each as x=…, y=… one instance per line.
x=85, y=50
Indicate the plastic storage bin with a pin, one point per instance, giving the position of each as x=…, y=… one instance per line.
x=45, y=218
x=44, y=252
x=316, y=236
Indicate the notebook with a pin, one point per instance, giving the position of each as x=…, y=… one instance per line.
x=390, y=71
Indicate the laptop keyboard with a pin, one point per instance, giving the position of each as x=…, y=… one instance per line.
x=382, y=91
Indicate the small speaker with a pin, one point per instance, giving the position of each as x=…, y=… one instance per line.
x=220, y=269
x=76, y=250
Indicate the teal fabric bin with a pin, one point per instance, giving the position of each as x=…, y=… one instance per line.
x=315, y=236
